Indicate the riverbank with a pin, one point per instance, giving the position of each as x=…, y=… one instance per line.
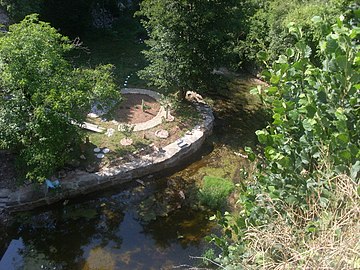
x=78, y=183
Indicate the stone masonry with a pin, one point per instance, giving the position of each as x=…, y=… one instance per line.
x=81, y=182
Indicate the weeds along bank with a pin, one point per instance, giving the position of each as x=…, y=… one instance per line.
x=300, y=208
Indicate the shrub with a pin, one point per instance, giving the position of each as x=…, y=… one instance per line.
x=215, y=191
x=301, y=209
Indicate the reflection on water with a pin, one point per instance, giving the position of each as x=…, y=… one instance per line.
x=106, y=233
x=156, y=226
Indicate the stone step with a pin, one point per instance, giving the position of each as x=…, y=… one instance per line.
x=4, y=194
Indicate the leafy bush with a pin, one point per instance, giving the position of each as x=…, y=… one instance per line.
x=295, y=209
x=215, y=192
x=42, y=95
x=187, y=40
x=18, y=9
x=268, y=26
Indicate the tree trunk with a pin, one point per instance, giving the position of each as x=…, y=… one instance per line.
x=181, y=94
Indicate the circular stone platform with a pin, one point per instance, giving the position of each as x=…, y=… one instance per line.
x=78, y=183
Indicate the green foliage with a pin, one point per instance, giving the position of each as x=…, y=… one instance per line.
x=126, y=129
x=312, y=141
x=268, y=26
x=187, y=40
x=42, y=96
x=18, y=9
x=215, y=192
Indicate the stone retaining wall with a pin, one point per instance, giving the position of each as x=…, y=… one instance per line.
x=81, y=182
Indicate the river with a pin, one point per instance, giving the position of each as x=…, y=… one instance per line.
x=145, y=225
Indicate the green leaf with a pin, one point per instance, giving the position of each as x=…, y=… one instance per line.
x=316, y=19
x=345, y=154
x=250, y=153
x=263, y=136
x=212, y=218
x=308, y=124
x=272, y=90
x=282, y=59
x=274, y=79
x=311, y=110
x=263, y=56
x=342, y=62
x=354, y=170
x=256, y=91
x=290, y=52
x=340, y=115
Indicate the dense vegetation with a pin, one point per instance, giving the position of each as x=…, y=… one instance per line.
x=307, y=177
x=42, y=96
x=300, y=207
x=187, y=40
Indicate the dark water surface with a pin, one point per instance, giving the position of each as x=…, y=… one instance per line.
x=107, y=232
x=148, y=226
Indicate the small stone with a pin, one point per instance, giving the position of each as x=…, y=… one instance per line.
x=140, y=182
x=61, y=174
x=100, y=155
x=97, y=150
x=110, y=132
x=82, y=157
x=182, y=195
x=126, y=141
x=162, y=133
x=90, y=168
x=74, y=163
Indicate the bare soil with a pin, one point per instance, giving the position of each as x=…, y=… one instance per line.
x=130, y=110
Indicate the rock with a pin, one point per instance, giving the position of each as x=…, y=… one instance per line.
x=82, y=157
x=140, y=182
x=4, y=18
x=90, y=168
x=74, y=163
x=62, y=174
x=194, y=97
x=110, y=132
x=126, y=141
x=162, y=133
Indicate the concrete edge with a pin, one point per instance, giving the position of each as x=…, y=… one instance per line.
x=33, y=196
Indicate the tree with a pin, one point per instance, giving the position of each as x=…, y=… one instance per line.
x=311, y=156
x=18, y=9
x=42, y=96
x=187, y=40
x=268, y=26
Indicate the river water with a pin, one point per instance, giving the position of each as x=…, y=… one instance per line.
x=154, y=224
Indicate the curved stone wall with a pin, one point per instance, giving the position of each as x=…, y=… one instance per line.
x=81, y=182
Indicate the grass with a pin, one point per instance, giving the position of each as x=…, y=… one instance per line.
x=142, y=140
x=215, y=192
x=322, y=238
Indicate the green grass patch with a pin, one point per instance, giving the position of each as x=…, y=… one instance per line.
x=215, y=192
